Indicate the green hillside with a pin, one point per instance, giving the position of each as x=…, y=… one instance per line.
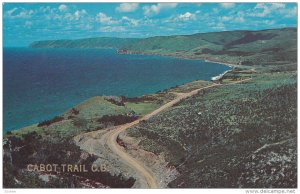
x=262, y=47
x=238, y=47
x=102, y=42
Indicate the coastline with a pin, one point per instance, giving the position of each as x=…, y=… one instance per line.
x=182, y=57
x=231, y=65
x=28, y=127
x=220, y=76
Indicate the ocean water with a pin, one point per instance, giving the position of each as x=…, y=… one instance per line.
x=39, y=84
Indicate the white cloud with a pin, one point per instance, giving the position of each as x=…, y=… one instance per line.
x=155, y=9
x=259, y=6
x=167, y=5
x=291, y=13
x=227, y=5
x=232, y=19
x=62, y=8
x=149, y=22
x=277, y=5
x=182, y=17
x=45, y=9
x=10, y=12
x=238, y=17
x=23, y=13
x=54, y=16
x=217, y=25
x=264, y=9
x=186, y=17
x=131, y=21
x=78, y=14
x=103, y=18
x=288, y=12
x=112, y=29
x=261, y=14
x=127, y=7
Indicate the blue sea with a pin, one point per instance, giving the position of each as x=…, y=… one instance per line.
x=42, y=83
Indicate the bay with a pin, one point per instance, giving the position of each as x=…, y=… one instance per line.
x=39, y=84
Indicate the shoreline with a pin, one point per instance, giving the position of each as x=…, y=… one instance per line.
x=231, y=66
x=220, y=76
x=182, y=57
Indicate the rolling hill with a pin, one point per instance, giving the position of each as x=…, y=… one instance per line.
x=102, y=42
x=262, y=47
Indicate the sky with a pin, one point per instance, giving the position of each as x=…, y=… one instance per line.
x=24, y=23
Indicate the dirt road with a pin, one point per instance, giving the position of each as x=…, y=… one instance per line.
x=135, y=164
x=143, y=171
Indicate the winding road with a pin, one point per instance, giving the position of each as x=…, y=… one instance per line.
x=143, y=171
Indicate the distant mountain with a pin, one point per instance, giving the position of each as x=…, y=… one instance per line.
x=239, y=47
x=102, y=42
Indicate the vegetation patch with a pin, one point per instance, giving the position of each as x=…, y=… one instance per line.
x=32, y=148
x=49, y=122
x=221, y=130
x=116, y=119
x=119, y=101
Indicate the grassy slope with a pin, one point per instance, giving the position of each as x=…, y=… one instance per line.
x=89, y=112
x=220, y=130
x=255, y=47
x=217, y=142
x=58, y=136
x=247, y=47
x=54, y=144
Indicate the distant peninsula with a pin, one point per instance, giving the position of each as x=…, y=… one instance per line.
x=241, y=47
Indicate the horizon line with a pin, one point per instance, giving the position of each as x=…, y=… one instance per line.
x=26, y=46
x=169, y=35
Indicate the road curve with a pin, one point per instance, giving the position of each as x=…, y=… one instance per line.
x=132, y=162
x=141, y=169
